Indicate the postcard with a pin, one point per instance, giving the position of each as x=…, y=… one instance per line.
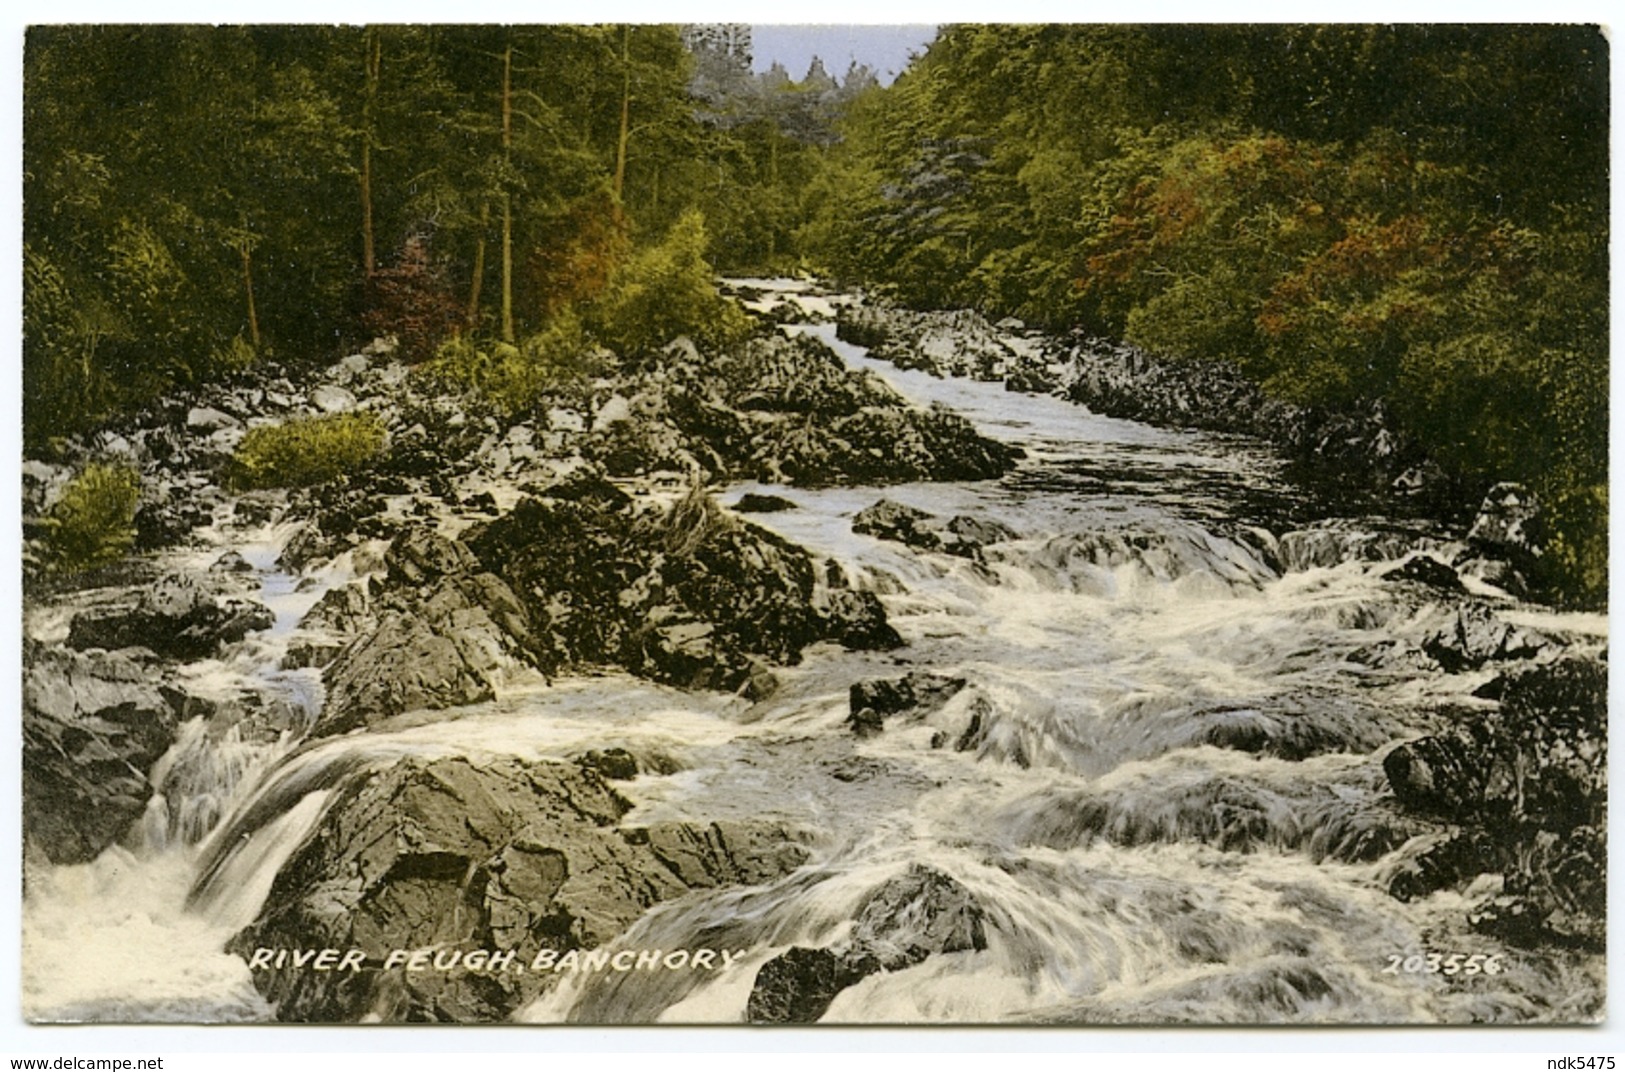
x=720, y=524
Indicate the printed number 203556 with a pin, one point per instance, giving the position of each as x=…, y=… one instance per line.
x=1445, y=964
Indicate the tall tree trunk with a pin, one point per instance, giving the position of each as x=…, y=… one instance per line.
x=626, y=112
x=507, y=197
x=248, y=289
x=374, y=50
x=479, y=268
x=773, y=187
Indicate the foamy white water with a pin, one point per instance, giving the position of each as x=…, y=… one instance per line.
x=1162, y=781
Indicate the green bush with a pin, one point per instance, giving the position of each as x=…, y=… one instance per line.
x=517, y=377
x=1575, y=568
x=93, y=522
x=233, y=356
x=311, y=450
x=665, y=291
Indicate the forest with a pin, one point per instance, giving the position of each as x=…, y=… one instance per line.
x=1410, y=217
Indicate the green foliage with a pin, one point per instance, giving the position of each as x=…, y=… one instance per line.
x=664, y=291
x=305, y=451
x=761, y=150
x=192, y=193
x=516, y=378
x=63, y=331
x=1427, y=242
x=1416, y=214
x=92, y=523
x=1576, y=562
x=633, y=303
x=170, y=174
x=577, y=251
x=234, y=355
x=1204, y=314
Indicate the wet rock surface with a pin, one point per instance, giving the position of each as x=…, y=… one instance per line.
x=1426, y=570
x=960, y=535
x=919, y=914
x=182, y=616
x=960, y=342
x=1475, y=636
x=917, y=694
x=687, y=595
x=1527, y=785
x=450, y=856
x=1508, y=524
x=442, y=633
x=783, y=410
x=1505, y=543
x=755, y=503
x=93, y=725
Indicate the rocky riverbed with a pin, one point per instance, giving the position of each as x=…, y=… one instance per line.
x=897, y=694
x=648, y=574
x=1356, y=453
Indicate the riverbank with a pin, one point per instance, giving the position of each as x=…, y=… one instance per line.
x=496, y=542
x=908, y=694
x=1356, y=457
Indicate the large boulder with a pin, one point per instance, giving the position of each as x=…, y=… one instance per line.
x=756, y=503
x=168, y=511
x=1528, y=785
x=957, y=342
x=855, y=620
x=93, y=726
x=1032, y=374
x=889, y=520
x=1444, y=775
x=451, y=857
x=341, y=610
x=182, y=616
x=708, y=615
x=339, y=616
x=206, y=419
x=1554, y=892
x=331, y=399
x=443, y=635
x=960, y=535
x=1505, y=543
x=963, y=343
x=798, y=985
x=690, y=595
x=786, y=410
x=1474, y=636
x=918, y=694
x=918, y=914
x=1428, y=572
x=1508, y=523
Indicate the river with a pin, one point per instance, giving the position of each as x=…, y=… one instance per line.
x=1162, y=781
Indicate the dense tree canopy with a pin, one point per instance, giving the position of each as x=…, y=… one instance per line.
x=1415, y=215
x=198, y=196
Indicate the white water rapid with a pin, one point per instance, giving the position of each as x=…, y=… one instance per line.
x=1162, y=782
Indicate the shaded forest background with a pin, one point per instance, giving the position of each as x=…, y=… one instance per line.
x=1411, y=217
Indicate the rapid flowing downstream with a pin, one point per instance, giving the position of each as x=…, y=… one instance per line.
x=1162, y=780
